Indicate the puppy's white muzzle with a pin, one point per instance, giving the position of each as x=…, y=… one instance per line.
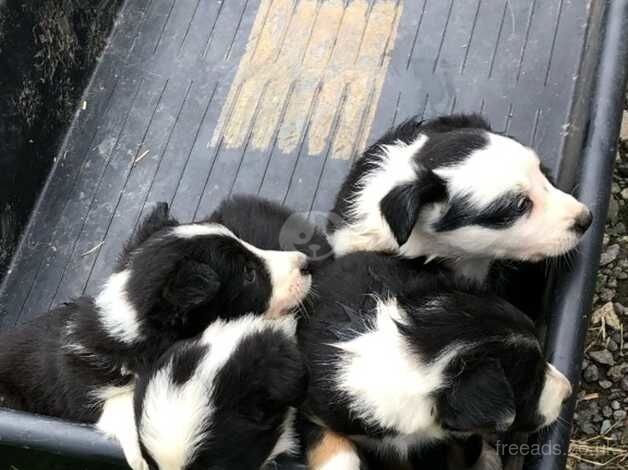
x=290, y=278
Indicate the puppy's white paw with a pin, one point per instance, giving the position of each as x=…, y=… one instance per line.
x=117, y=421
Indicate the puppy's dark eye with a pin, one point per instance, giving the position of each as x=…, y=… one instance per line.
x=249, y=274
x=523, y=204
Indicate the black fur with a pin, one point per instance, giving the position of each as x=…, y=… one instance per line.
x=457, y=121
x=38, y=374
x=500, y=213
x=185, y=362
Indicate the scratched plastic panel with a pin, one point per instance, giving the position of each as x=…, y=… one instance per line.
x=194, y=100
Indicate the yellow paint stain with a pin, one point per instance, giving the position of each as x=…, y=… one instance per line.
x=319, y=60
x=269, y=42
x=349, y=126
x=324, y=35
x=350, y=35
x=326, y=109
x=240, y=122
x=380, y=32
x=269, y=111
x=275, y=97
x=374, y=54
x=296, y=116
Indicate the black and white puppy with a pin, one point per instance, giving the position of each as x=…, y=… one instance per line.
x=452, y=188
x=79, y=361
x=400, y=356
x=225, y=400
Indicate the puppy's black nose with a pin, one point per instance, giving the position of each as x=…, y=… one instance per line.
x=583, y=221
x=306, y=267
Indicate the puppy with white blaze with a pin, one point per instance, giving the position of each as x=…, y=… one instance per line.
x=402, y=356
x=225, y=400
x=451, y=188
x=80, y=360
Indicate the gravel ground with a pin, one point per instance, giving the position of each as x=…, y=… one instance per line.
x=600, y=433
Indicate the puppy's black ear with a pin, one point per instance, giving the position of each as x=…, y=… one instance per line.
x=159, y=218
x=480, y=398
x=401, y=206
x=193, y=284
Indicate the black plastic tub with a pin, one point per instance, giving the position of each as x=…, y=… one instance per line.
x=193, y=100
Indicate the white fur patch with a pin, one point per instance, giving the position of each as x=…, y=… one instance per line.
x=389, y=384
x=289, y=284
x=174, y=419
x=502, y=165
x=175, y=416
x=556, y=390
x=117, y=421
x=116, y=313
x=287, y=442
x=200, y=230
x=224, y=336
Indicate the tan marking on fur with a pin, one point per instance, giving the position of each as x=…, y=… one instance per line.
x=330, y=445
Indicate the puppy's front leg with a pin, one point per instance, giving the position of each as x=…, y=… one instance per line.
x=332, y=452
x=117, y=421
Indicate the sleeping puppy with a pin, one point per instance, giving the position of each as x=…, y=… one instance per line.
x=452, y=188
x=225, y=400
x=79, y=361
x=400, y=356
